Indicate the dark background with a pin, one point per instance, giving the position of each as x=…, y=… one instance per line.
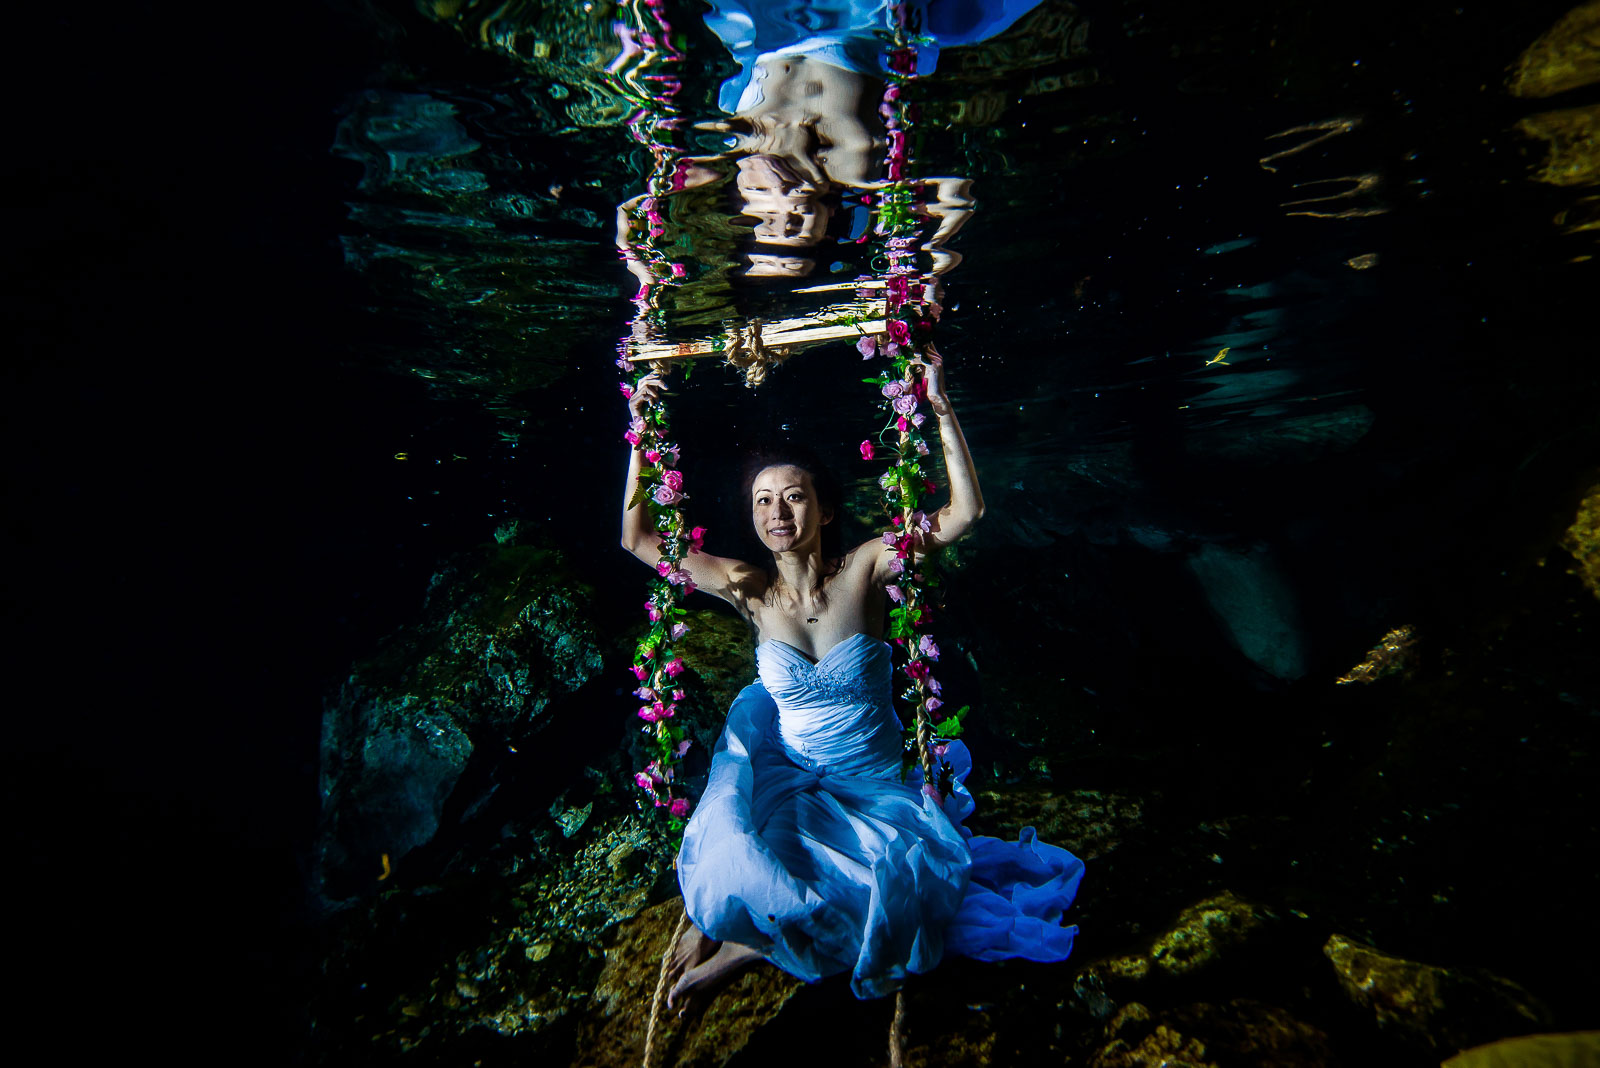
x=203, y=536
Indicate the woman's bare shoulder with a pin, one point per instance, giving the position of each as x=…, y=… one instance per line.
x=866, y=559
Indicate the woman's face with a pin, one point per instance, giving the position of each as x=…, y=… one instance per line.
x=788, y=210
x=785, y=510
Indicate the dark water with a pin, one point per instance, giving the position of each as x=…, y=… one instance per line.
x=230, y=331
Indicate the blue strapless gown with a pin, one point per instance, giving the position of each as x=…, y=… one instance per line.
x=807, y=846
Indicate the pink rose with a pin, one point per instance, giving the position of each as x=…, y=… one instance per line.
x=868, y=347
x=678, y=631
x=896, y=594
x=893, y=389
x=678, y=270
x=899, y=332
x=897, y=566
x=627, y=390
x=679, y=807
x=648, y=714
x=631, y=438
x=905, y=403
x=677, y=695
x=922, y=447
x=929, y=649
x=916, y=669
x=643, y=781
x=902, y=424
x=674, y=668
x=662, y=568
x=917, y=420
x=639, y=671
x=933, y=704
x=652, y=456
x=683, y=747
x=673, y=479
x=665, y=495
x=866, y=449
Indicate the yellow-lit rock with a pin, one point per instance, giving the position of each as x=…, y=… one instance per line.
x=1582, y=540
x=1574, y=138
x=1565, y=57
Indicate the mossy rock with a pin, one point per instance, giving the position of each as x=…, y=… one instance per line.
x=1441, y=1009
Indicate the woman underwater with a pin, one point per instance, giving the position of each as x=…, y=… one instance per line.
x=807, y=848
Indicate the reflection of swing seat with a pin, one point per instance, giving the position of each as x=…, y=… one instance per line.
x=754, y=346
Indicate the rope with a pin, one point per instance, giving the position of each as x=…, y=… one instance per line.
x=746, y=350
x=661, y=988
x=897, y=1053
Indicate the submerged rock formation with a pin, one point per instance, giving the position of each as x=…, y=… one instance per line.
x=1439, y=1008
x=503, y=631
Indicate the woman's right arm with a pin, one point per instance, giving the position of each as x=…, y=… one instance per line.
x=728, y=579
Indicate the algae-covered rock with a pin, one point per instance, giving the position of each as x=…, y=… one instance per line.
x=498, y=955
x=1578, y=1049
x=1090, y=823
x=1426, y=1005
x=1217, y=930
x=503, y=631
x=613, y=1030
x=1565, y=57
x=1582, y=540
x=1243, y=1033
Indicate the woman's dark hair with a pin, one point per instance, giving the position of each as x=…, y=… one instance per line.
x=823, y=481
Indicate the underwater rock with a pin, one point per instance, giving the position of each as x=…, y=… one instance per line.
x=1582, y=540
x=503, y=631
x=1391, y=656
x=1220, y=929
x=1241, y=1032
x=613, y=1030
x=1574, y=138
x=1425, y=1005
x=1257, y=605
x=1566, y=56
x=1089, y=823
x=1578, y=1049
x=501, y=954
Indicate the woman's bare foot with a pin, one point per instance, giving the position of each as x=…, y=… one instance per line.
x=692, y=949
x=709, y=973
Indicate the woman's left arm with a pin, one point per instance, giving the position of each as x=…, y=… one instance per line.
x=965, y=506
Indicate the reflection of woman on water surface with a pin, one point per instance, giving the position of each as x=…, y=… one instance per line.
x=807, y=849
x=804, y=137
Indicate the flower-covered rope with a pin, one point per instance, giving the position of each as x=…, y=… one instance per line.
x=910, y=314
x=656, y=666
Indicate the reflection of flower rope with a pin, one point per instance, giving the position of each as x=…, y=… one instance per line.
x=656, y=666
x=910, y=317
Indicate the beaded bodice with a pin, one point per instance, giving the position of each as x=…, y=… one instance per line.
x=835, y=715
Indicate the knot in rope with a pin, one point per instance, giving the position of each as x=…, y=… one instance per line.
x=746, y=351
